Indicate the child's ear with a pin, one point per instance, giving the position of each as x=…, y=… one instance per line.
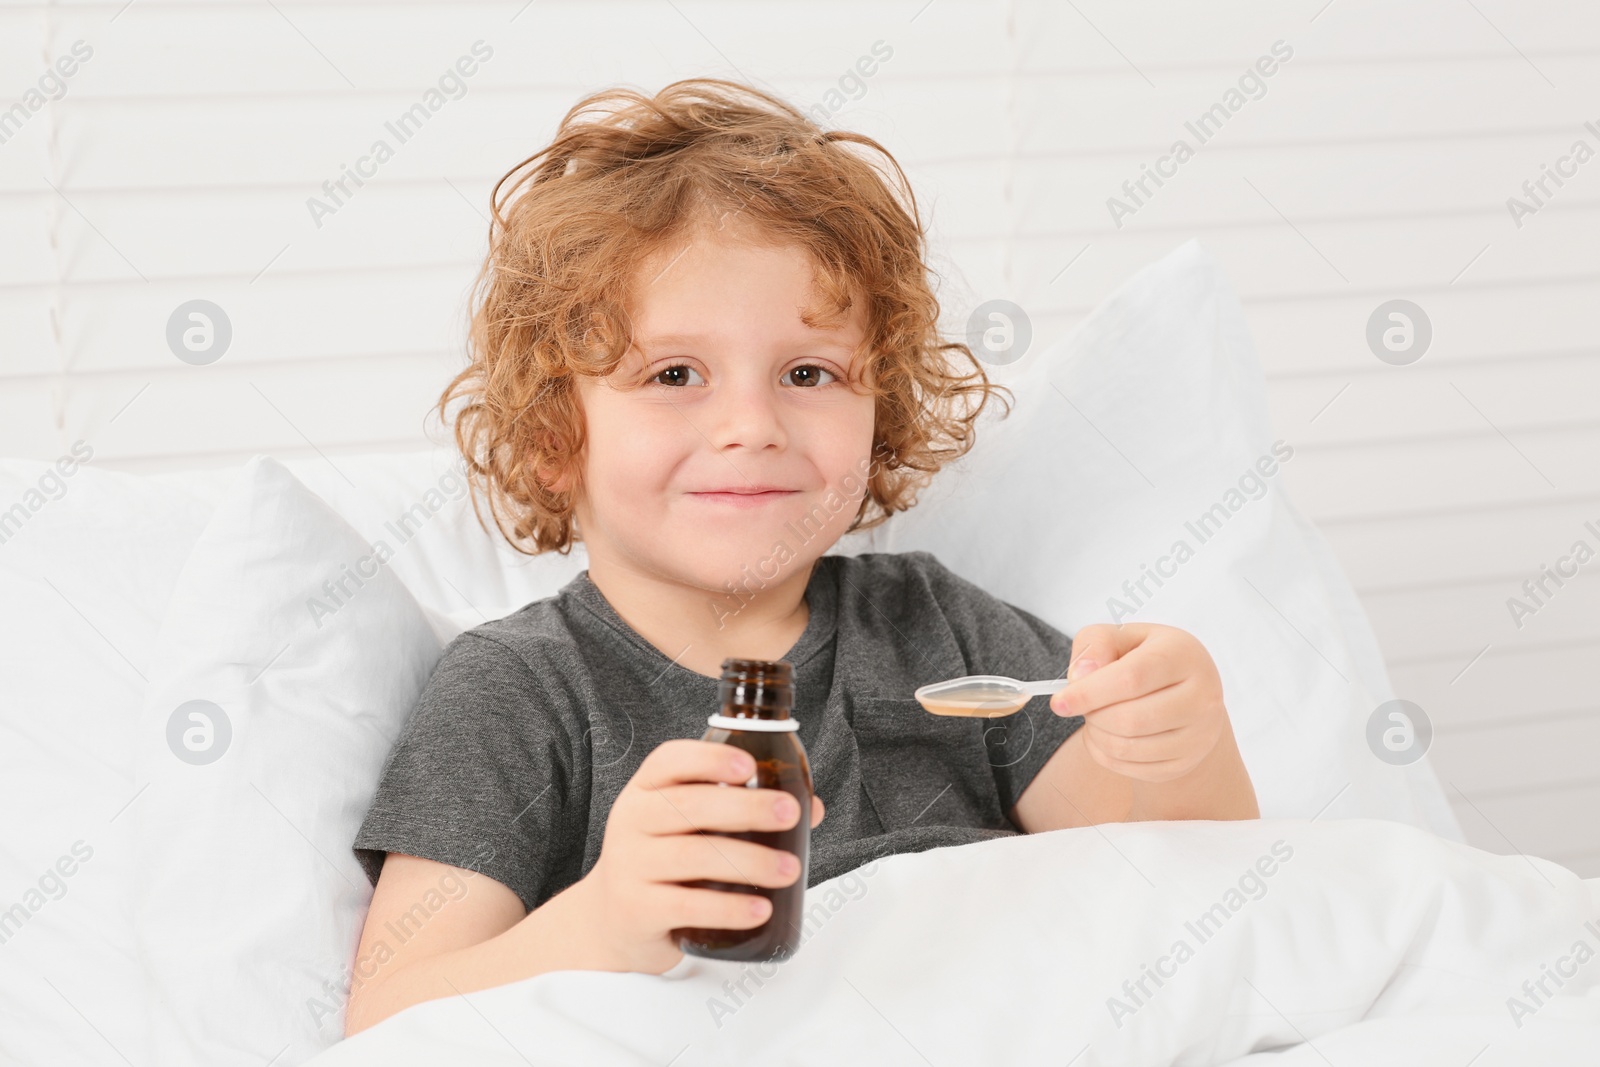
x=555, y=479
x=554, y=474
x=557, y=485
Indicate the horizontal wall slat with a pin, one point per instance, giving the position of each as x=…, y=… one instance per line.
x=1536, y=466
x=1461, y=619
x=1499, y=683
x=1471, y=546
x=1548, y=823
x=1295, y=102
x=1521, y=757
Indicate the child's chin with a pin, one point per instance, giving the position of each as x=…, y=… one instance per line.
x=744, y=558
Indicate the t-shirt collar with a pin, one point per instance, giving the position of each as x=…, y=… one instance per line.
x=822, y=595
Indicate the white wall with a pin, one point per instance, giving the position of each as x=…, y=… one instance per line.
x=1376, y=165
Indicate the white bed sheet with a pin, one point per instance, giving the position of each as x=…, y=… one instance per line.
x=1346, y=942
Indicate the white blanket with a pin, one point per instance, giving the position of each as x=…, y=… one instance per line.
x=1362, y=942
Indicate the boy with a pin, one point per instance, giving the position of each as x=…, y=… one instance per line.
x=704, y=343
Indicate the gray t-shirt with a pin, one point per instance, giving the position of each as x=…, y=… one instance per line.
x=531, y=725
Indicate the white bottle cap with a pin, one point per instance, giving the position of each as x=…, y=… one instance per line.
x=731, y=722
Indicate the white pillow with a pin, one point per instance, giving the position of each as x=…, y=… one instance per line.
x=1153, y=412
x=416, y=505
x=308, y=654
x=88, y=559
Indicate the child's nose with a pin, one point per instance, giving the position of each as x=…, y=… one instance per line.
x=747, y=414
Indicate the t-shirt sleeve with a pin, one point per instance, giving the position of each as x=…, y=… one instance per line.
x=997, y=637
x=481, y=777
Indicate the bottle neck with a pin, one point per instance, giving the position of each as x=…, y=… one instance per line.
x=769, y=703
x=756, y=689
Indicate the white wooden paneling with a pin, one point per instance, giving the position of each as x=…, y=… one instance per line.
x=1483, y=469
x=1523, y=757
x=1461, y=546
x=1533, y=822
x=1441, y=621
x=1375, y=165
x=1506, y=684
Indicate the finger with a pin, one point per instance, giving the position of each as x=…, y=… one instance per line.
x=685, y=760
x=1152, y=748
x=1138, y=671
x=691, y=857
x=1147, y=716
x=713, y=909
x=1099, y=643
x=1162, y=771
x=816, y=810
x=682, y=809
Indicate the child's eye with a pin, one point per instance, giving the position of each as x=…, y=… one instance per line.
x=677, y=376
x=810, y=372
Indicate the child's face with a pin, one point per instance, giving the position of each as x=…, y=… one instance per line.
x=725, y=390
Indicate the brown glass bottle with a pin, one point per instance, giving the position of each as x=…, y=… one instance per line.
x=760, y=693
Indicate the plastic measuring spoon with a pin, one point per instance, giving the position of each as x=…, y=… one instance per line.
x=983, y=695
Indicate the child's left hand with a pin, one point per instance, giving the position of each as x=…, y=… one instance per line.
x=1152, y=705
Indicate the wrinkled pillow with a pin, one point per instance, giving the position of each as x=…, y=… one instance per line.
x=288, y=660
x=1137, y=479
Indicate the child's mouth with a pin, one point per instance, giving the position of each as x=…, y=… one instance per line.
x=744, y=498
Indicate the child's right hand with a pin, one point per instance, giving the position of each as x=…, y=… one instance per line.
x=652, y=844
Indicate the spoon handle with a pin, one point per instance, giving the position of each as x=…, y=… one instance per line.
x=1049, y=685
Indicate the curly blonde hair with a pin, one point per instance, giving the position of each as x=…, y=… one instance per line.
x=626, y=176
